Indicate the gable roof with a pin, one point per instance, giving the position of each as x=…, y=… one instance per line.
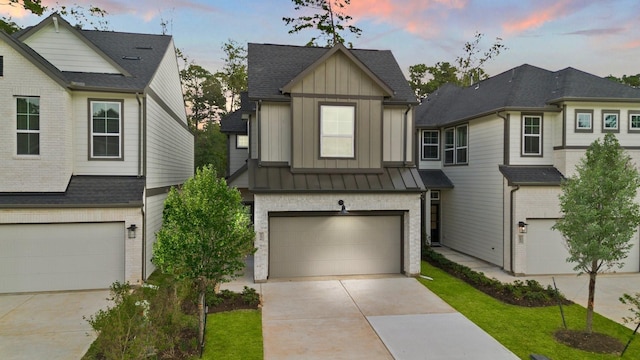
x=137, y=55
x=524, y=88
x=273, y=67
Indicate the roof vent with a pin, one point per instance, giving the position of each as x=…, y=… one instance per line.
x=131, y=57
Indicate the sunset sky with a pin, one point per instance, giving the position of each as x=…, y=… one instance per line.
x=598, y=36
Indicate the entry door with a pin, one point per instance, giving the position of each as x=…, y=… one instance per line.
x=435, y=223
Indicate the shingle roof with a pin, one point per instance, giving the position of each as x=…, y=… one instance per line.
x=233, y=122
x=522, y=88
x=281, y=179
x=271, y=67
x=84, y=191
x=531, y=175
x=138, y=54
x=435, y=179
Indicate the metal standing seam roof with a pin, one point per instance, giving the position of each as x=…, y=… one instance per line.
x=522, y=88
x=84, y=191
x=273, y=66
x=531, y=175
x=281, y=179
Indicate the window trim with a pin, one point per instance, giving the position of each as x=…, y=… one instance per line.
x=631, y=114
x=238, y=146
x=352, y=155
x=436, y=145
x=435, y=195
x=455, y=147
x=91, y=156
x=540, y=136
x=27, y=131
x=611, y=112
x=579, y=129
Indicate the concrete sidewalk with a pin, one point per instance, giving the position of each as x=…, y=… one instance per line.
x=609, y=287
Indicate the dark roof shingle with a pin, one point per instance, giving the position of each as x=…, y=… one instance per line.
x=435, y=179
x=531, y=175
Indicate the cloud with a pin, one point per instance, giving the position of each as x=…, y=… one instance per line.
x=546, y=13
x=597, y=32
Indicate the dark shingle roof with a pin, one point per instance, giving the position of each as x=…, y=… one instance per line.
x=271, y=67
x=531, y=175
x=523, y=88
x=435, y=179
x=84, y=191
x=233, y=122
x=281, y=179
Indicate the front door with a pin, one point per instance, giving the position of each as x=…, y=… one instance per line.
x=435, y=224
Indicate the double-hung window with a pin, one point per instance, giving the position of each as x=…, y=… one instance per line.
x=28, y=125
x=337, y=130
x=456, y=145
x=430, y=145
x=106, y=129
x=610, y=120
x=532, y=135
x=634, y=121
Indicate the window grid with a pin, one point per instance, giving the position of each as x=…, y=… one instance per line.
x=634, y=121
x=242, y=141
x=430, y=145
x=584, y=120
x=28, y=125
x=449, y=146
x=106, y=125
x=610, y=120
x=532, y=135
x=456, y=145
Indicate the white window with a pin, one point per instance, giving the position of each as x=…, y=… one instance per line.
x=435, y=195
x=430, y=145
x=28, y=125
x=584, y=120
x=610, y=120
x=456, y=145
x=532, y=135
x=337, y=129
x=634, y=120
x=242, y=141
x=106, y=129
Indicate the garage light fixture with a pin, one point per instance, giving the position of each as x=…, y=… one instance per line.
x=343, y=210
x=522, y=227
x=132, y=231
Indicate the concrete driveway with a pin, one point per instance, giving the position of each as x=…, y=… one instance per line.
x=48, y=325
x=371, y=318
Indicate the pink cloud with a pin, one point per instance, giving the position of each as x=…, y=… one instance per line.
x=536, y=19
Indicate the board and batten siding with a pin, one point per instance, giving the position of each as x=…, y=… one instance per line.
x=24, y=173
x=275, y=132
x=166, y=83
x=237, y=157
x=169, y=152
x=84, y=165
x=472, y=217
x=515, y=138
x=395, y=129
x=67, y=52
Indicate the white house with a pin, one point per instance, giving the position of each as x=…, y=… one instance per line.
x=93, y=133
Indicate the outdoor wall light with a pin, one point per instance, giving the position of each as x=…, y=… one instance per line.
x=522, y=227
x=131, y=231
x=343, y=210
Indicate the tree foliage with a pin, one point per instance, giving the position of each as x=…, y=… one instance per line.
x=211, y=148
x=631, y=80
x=469, y=68
x=600, y=212
x=233, y=76
x=91, y=15
x=203, y=96
x=328, y=18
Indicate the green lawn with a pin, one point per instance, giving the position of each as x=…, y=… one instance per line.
x=523, y=330
x=234, y=335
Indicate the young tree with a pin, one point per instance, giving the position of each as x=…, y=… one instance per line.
x=600, y=212
x=234, y=73
x=206, y=233
x=91, y=15
x=202, y=95
x=470, y=65
x=328, y=18
x=631, y=80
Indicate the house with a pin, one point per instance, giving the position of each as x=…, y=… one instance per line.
x=331, y=163
x=493, y=155
x=93, y=135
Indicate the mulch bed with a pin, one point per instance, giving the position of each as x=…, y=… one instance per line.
x=229, y=304
x=593, y=342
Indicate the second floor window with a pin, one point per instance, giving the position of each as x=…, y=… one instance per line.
x=532, y=135
x=610, y=120
x=106, y=129
x=28, y=125
x=242, y=141
x=337, y=130
x=456, y=145
x=634, y=120
x=430, y=145
x=584, y=120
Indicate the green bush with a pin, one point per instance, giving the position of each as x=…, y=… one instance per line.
x=250, y=296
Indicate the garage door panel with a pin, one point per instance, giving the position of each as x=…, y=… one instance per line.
x=52, y=257
x=334, y=245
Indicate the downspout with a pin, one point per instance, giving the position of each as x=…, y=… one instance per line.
x=505, y=160
x=139, y=134
x=405, y=126
x=258, y=127
x=144, y=193
x=511, y=222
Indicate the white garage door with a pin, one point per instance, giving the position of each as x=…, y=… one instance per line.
x=547, y=254
x=51, y=257
x=334, y=245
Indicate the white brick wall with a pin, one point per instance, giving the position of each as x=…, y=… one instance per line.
x=407, y=202
x=133, y=247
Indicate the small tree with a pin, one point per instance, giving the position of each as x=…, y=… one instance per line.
x=600, y=214
x=329, y=20
x=206, y=233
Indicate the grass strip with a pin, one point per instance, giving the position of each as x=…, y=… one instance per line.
x=523, y=330
x=234, y=335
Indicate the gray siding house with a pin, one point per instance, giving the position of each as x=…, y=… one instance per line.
x=93, y=133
